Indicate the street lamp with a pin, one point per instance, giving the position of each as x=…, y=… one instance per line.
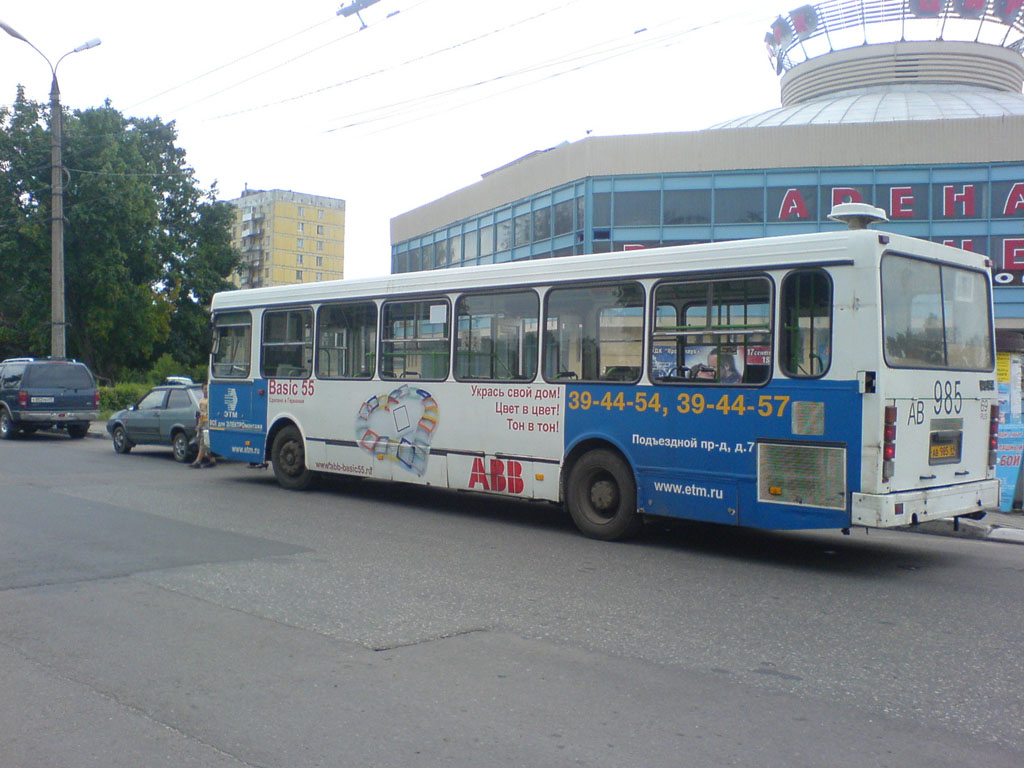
x=58, y=347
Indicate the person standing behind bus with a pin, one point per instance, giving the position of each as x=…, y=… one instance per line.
x=204, y=458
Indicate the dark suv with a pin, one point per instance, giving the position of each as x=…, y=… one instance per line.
x=42, y=394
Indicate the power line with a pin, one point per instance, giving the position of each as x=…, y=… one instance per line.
x=573, y=59
x=285, y=63
x=231, y=63
x=393, y=67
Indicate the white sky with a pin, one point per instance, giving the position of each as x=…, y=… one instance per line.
x=290, y=96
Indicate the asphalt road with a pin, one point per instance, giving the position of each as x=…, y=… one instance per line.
x=152, y=615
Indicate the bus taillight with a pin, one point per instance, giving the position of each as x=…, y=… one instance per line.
x=993, y=434
x=889, y=443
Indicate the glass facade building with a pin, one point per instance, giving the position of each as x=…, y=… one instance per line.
x=930, y=131
x=980, y=208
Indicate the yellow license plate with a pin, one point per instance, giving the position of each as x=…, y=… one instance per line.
x=943, y=451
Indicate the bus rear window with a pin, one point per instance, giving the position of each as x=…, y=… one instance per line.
x=935, y=316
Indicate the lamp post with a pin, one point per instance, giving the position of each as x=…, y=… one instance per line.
x=58, y=347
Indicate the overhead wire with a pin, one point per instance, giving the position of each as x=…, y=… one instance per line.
x=393, y=67
x=578, y=60
x=231, y=63
x=285, y=63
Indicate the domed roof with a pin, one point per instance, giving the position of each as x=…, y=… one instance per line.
x=887, y=103
x=906, y=80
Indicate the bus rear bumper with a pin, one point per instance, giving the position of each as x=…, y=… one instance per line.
x=895, y=509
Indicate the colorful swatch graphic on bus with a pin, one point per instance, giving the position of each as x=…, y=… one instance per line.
x=399, y=427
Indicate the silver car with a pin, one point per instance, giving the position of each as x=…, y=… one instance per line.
x=167, y=415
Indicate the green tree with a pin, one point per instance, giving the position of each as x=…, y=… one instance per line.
x=24, y=229
x=145, y=246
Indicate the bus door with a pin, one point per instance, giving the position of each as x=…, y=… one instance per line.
x=238, y=403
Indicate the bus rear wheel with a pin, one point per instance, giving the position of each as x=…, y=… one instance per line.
x=601, y=496
x=288, y=456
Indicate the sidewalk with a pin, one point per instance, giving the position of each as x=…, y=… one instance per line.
x=1007, y=527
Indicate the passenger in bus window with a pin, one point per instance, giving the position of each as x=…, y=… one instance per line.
x=727, y=371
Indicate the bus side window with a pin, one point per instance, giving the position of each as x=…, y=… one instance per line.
x=806, y=308
x=346, y=341
x=710, y=332
x=415, y=340
x=287, y=344
x=496, y=336
x=594, y=333
x=232, y=336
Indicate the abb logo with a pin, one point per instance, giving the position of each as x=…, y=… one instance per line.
x=502, y=476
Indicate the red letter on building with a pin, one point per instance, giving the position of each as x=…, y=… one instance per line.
x=1014, y=200
x=901, y=202
x=1008, y=10
x=793, y=205
x=964, y=245
x=926, y=7
x=845, y=195
x=950, y=197
x=1013, y=253
x=971, y=9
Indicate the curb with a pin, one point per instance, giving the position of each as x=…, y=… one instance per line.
x=1005, y=534
x=969, y=529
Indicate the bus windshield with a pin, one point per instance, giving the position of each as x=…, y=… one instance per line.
x=930, y=317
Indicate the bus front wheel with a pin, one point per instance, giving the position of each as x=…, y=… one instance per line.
x=601, y=496
x=288, y=455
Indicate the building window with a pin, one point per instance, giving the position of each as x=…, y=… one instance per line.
x=298, y=258
x=298, y=275
x=302, y=211
x=542, y=224
x=563, y=217
x=302, y=227
x=319, y=245
x=733, y=206
x=319, y=213
x=687, y=206
x=301, y=243
x=602, y=203
x=319, y=261
x=319, y=276
x=470, y=247
x=504, y=236
x=319, y=229
x=486, y=241
x=522, y=229
x=637, y=209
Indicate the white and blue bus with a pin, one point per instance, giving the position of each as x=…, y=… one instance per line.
x=814, y=381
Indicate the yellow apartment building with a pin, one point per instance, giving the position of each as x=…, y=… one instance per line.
x=288, y=237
